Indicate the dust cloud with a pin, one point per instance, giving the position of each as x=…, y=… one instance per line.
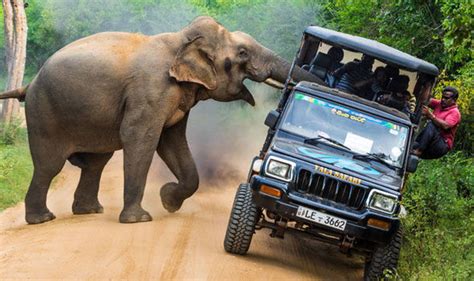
x=224, y=137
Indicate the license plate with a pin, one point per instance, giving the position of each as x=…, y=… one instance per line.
x=321, y=218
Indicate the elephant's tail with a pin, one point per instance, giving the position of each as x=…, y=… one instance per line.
x=19, y=94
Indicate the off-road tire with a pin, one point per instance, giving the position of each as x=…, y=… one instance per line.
x=383, y=258
x=242, y=221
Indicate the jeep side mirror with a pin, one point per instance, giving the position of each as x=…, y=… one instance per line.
x=272, y=119
x=412, y=163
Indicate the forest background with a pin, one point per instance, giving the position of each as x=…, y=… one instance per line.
x=439, y=228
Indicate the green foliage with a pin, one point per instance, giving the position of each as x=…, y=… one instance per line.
x=409, y=25
x=464, y=82
x=277, y=26
x=16, y=170
x=458, y=25
x=439, y=228
x=3, y=66
x=12, y=133
x=424, y=28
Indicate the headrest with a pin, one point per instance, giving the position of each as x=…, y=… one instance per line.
x=322, y=60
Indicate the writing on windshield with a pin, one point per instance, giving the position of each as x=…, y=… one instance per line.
x=346, y=112
x=363, y=133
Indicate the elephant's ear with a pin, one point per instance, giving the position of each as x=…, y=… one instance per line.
x=194, y=64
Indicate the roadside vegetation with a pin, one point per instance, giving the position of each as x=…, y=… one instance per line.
x=439, y=227
x=15, y=164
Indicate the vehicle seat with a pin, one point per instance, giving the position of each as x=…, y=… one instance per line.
x=320, y=65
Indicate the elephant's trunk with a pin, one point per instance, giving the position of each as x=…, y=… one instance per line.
x=280, y=68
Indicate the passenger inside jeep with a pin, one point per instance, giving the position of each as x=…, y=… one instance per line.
x=372, y=88
x=362, y=75
x=354, y=74
x=323, y=65
x=397, y=95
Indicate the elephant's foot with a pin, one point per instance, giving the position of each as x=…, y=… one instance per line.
x=132, y=215
x=35, y=218
x=169, y=197
x=87, y=207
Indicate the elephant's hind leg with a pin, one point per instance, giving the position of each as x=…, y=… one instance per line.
x=47, y=162
x=174, y=150
x=85, y=197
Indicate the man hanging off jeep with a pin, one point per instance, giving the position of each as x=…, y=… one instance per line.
x=437, y=138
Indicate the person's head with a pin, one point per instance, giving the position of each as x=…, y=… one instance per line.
x=380, y=75
x=336, y=53
x=367, y=61
x=391, y=71
x=449, y=96
x=399, y=84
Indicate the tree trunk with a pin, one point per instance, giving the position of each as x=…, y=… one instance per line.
x=15, y=51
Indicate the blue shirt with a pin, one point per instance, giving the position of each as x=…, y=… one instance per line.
x=355, y=73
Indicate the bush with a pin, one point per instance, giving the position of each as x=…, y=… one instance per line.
x=464, y=82
x=16, y=169
x=439, y=227
x=12, y=133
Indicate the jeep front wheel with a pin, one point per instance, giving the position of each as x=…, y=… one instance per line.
x=243, y=217
x=384, y=260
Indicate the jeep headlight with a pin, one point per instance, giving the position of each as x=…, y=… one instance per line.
x=383, y=202
x=280, y=169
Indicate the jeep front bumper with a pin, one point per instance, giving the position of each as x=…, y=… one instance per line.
x=287, y=206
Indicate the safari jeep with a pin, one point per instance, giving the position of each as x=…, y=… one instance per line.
x=333, y=165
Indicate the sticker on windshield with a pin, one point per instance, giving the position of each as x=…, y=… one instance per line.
x=393, y=132
x=357, y=143
x=348, y=113
x=396, y=152
x=340, y=113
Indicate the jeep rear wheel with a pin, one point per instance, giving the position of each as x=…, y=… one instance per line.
x=243, y=217
x=384, y=258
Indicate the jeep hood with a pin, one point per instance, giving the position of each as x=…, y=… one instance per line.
x=376, y=173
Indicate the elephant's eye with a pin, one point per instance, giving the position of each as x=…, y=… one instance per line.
x=243, y=54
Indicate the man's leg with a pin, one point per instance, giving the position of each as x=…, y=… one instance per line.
x=429, y=143
x=435, y=150
x=429, y=133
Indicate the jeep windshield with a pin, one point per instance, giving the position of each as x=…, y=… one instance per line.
x=345, y=128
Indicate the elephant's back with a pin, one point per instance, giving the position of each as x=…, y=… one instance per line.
x=107, y=52
x=80, y=88
x=88, y=73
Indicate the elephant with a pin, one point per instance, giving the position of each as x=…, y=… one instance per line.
x=117, y=90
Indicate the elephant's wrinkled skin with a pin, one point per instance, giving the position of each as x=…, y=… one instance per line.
x=114, y=91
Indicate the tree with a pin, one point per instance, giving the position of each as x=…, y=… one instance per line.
x=15, y=52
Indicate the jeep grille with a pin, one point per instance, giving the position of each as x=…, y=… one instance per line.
x=331, y=189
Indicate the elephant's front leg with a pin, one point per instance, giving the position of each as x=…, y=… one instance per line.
x=174, y=150
x=140, y=133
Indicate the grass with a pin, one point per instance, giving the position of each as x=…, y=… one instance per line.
x=439, y=229
x=16, y=167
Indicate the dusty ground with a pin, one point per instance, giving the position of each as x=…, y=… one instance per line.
x=181, y=246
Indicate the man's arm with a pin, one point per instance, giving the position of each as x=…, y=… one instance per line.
x=343, y=69
x=443, y=124
x=362, y=83
x=433, y=103
x=338, y=72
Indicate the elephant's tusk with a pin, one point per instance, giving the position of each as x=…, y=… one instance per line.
x=274, y=83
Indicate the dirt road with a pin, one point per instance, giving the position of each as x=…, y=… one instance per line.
x=181, y=246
